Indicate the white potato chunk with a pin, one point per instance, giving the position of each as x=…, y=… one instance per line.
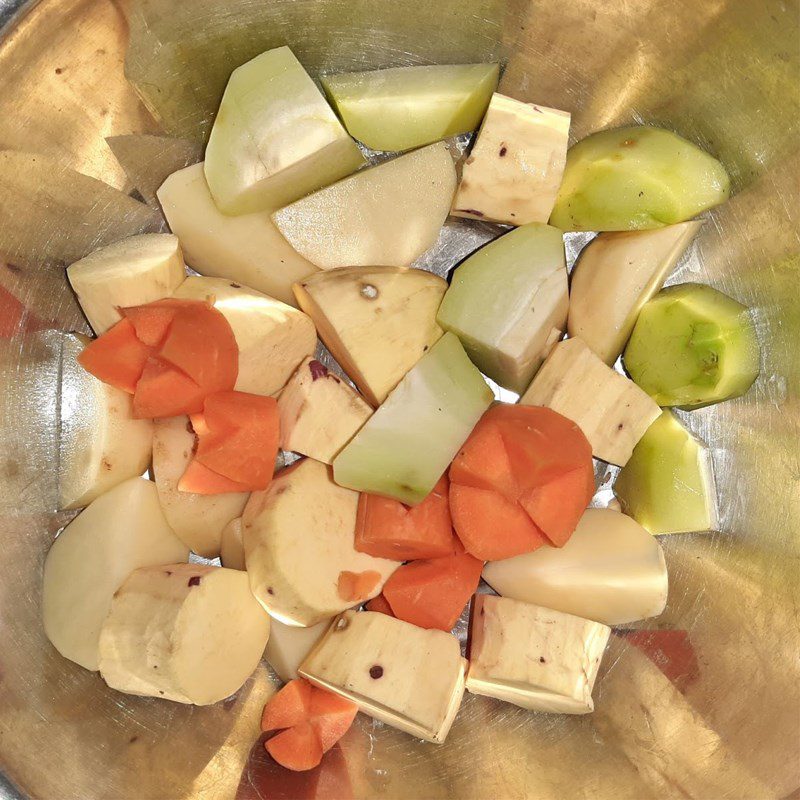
x=122, y=530
x=386, y=215
x=289, y=645
x=319, y=412
x=298, y=538
x=273, y=338
x=611, y=570
x=616, y=274
x=247, y=249
x=515, y=168
x=408, y=677
x=185, y=632
x=534, y=657
x=611, y=410
x=101, y=444
x=197, y=519
x=131, y=272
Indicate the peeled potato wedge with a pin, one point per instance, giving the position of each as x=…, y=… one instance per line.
x=101, y=444
x=185, y=632
x=197, y=519
x=122, y=530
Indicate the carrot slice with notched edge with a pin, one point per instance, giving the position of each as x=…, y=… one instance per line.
x=297, y=748
x=331, y=716
x=152, y=320
x=164, y=391
x=289, y=706
x=201, y=480
x=241, y=438
x=433, y=593
x=117, y=357
x=386, y=528
x=355, y=587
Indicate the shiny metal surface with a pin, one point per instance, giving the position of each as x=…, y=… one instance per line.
x=722, y=72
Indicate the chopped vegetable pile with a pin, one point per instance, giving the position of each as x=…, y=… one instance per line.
x=406, y=483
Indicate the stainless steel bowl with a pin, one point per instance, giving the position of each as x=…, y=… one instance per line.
x=725, y=74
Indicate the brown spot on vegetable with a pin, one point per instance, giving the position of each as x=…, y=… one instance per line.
x=368, y=291
x=59, y=70
x=473, y=211
x=376, y=671
x=105, y=464
x=541, y=660
x=133, y=740
x=317, y=370
x=270, y=590
x=425, y=349
x=194, y=581
x=236, y=286
x=620, y=426
x=503, y=151
x=629, y=142
x=168, y=572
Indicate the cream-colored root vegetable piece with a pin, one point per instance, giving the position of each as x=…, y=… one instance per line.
x=289, y=645
x=101, y=444
x=275, y=138
x=186, y=632
x=231, y=548
x=377, y=322
x=611, y=410
x=197, y=519
x=120, y=531
x=130, y=272
x=408, y=677
x=298, y=537
x=319, y=412
x=273, y=338
x=514, y=170
x=611, y=570
x=534, y=657
x=246, y=249
x=616, y=274
x=387, y=215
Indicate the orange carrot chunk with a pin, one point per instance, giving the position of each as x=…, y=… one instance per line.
x=483, y=461
x=331, y=716
x=556, y=506
x=388, y=529
x=289, y=706
x=380, y=605
x=200, y=342
x=199, y=479
x=491, y=527
x=355, y=587
x=433, y=593
x=242, y=437
x=297, y=748
x=523, y=477
x=165, y=391
x=152, y=321
x=117, y=357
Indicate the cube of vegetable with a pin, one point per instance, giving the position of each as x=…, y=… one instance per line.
x=611, y=410
x=667, y=486
x=275, y=138
x=319, y=412
x=616, y=274
x=432, y=411
x=387, y=215
x=635, y=178
x=405, y=676
x=508, y=303
x=514, y=170
x=534, y=657
x=611, y=570
x=397, y=109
